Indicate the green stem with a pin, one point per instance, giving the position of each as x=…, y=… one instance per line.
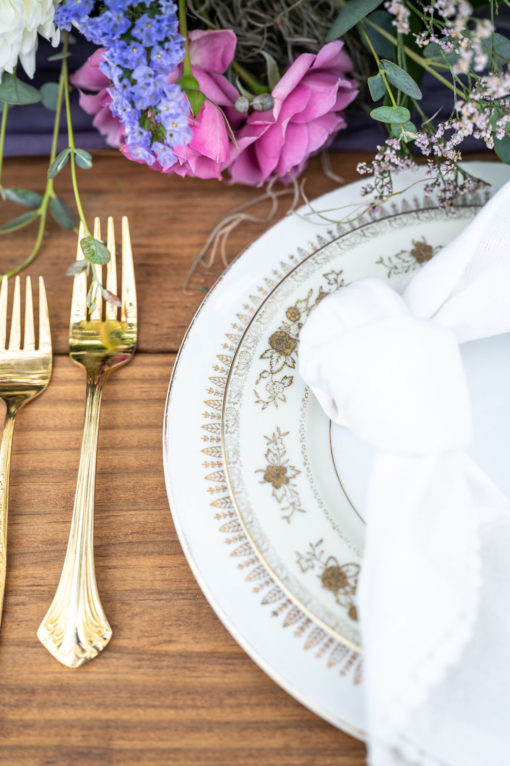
x=2, y=140
x=49, y=191
x=70, y=140
x=255, y=86
x=378, y=62
x=409, y=52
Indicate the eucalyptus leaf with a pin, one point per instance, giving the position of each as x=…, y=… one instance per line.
x=434, y=51
x=77, y=267
x=14, y=91
x=19, y=222
x=59, y=162
x=382, y=45
x=502, y=149
x=350, y=15
x=401, y=80
x=83, y=159
x=62, y=213
x=376, y=87
x=408, y=129
x=391, y=114
x=501, y=47
x=273, y=75
x=23, y=197
x=49, y=93
x=94, y=250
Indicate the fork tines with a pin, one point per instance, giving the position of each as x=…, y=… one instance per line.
x=15, y=334
x=128, y=293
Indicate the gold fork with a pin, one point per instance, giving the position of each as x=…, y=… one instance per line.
x=75, y=628
x=24, y=374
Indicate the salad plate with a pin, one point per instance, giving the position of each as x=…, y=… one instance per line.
x=296, y=479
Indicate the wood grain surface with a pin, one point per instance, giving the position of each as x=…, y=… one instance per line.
x=173, y=687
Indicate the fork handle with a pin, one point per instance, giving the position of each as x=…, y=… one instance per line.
x=75, y=628
x=5, y=467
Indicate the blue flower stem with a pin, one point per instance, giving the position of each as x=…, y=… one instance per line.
x=183, y=29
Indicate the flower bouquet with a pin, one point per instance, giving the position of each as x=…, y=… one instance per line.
x=247, y=92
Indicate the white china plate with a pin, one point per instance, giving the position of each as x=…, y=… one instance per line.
x=294, y=648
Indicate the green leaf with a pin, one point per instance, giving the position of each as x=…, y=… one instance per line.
x=14, y=91
x=188, y=82
x=391, y=114
x=49, y=93
x=94, y=250
x=408, y=129
x=434, y=51
x=62, y=213
x=77, y=267
x=23, y=197
x=502, y=46
x=383, y=47
x=502, y=149
x=59, y=56
x=59, y=162
x=376, y=87
x=83, y=159
x=196, y=101
x=19, y=222
x=350, y=15
x=401, y=80
x=273, y=75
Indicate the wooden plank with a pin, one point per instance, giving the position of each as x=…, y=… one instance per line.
x=173, y=687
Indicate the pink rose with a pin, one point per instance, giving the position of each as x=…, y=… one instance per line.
x=208, y=152
x=90, y=77
x=307, y=112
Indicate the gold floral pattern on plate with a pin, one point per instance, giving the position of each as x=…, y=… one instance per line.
x=406, y=261
x=340, y=579
x=280, y=474
x=281, y=352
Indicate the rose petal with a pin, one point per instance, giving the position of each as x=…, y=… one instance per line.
x=89, y=76
x=212, y=50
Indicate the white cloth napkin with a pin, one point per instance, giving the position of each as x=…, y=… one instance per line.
x=434, y=594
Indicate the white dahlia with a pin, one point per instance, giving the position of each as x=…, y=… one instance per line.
x=21, y=21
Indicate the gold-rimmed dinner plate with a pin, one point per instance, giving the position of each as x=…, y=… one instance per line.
x=299, y=651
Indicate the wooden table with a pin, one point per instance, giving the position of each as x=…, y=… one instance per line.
x=173, y=687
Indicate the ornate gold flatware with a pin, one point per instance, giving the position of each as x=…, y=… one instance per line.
x=75, y=628
x=24, y=374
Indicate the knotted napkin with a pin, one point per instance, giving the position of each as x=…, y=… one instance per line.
x=434, y=594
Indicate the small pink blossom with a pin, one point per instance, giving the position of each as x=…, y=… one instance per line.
x=307, y=112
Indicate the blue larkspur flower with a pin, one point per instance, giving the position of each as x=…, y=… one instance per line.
x=139, y=55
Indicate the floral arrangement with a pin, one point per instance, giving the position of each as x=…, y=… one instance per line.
x=247, y=91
